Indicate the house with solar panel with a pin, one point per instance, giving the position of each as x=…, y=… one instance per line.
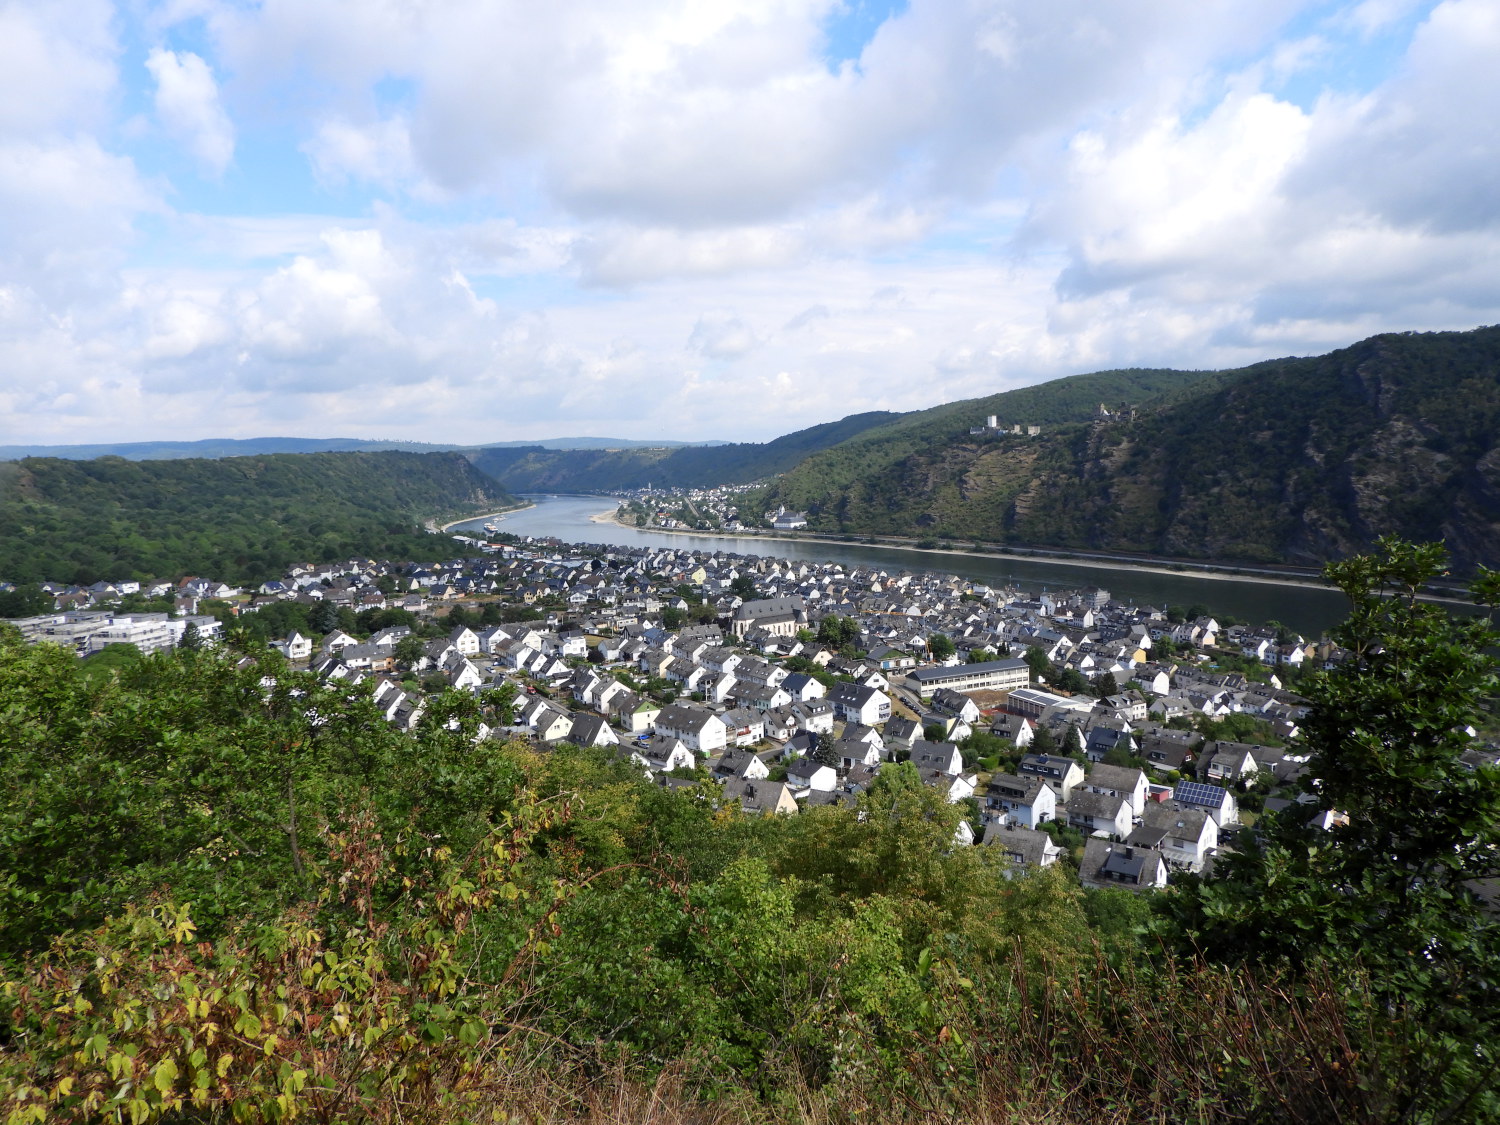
x=1218, y=803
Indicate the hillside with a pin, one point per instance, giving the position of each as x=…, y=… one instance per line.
x=1297, y=460
x=233, y=519
x=212, y=447
x=535, y=469
x=254, y=447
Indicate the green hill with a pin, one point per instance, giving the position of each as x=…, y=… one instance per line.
x=234, y=519
x=1298, y=460
x=255, y=447
x=536, y=469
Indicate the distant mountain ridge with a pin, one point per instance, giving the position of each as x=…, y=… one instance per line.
x=1292, y=460
x=533, y=469
x=253, y=447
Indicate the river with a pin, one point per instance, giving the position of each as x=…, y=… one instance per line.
x=1307, y=609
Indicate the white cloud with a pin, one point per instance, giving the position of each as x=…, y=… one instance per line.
x=1421, y=151
x=673, y=218
x=188, y=106
x=378, y=153
x=69, y=207
x=660, y=112
x=57, y=65
x=720, y=334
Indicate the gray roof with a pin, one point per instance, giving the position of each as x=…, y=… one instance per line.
x=1101, y=806
x=926, y=675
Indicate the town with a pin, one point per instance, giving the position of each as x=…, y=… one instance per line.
x=1134, y=741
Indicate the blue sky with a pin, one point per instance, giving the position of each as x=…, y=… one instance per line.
x=484, y=220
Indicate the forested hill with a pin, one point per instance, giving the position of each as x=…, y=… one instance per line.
x=235, y=519
x=534, y=469
x=1297, y=460
x=255, y=447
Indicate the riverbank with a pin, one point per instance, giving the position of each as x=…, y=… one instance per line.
x=1309, y=580
x=521, y=507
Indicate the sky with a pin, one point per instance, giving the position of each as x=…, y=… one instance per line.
x=492, y=220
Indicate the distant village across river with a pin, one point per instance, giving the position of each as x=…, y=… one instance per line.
x=1305, y=608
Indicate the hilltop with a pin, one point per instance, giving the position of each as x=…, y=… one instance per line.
x=533, y=469
x=236, y=518
x=1293, y=460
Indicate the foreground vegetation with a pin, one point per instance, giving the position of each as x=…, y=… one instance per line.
x=234, y=894
x=237, y=519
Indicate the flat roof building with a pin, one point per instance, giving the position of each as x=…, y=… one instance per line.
x=990, y=675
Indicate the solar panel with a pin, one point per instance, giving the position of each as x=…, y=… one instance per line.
x=1196, y=793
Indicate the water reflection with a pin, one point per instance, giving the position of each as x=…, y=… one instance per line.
x=1309, y=610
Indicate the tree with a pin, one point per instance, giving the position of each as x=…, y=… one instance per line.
x=323, y=617
x=941, y=646
x=824, y=752
x=743, y=586
x=26, y=601
x=1394, y=888
x=1072, y=743
x=1072, y=680
x=1037, y=660
x=838, y=632
x=409, y=650
x=1105, y=685
x=192, y=639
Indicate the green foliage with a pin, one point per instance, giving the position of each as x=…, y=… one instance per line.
x=26, y=600
x=389, y=927
x=941, y=646
x=1394, y=888
x=1215, y=465
x=825, y=753
x=1071, y=680
x=239, y=519
x=533, y=469
x=1237, y=727
x=838, y=632
x=1043, y=741
x=190, y=772
x=1037, y=661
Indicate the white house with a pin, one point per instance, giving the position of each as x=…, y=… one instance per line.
x=701, y=731
x=805, y=773
x=1099, y=812
x=1119, y=781
x=1012, y=799
x=663, y=753
x=855, y=703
